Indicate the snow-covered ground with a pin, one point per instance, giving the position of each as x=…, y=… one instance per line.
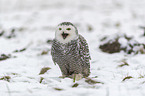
x=30, y=24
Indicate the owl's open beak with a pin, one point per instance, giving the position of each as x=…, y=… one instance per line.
x=64, y=35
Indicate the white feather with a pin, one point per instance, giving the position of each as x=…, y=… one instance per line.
x=72, y=33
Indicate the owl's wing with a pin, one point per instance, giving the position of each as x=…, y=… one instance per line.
x=84, y=50
x=54, y=45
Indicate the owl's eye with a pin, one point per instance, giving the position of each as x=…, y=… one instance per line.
x=60, y=28
x=68, y=29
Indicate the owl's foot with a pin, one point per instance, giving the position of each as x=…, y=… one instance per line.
x=77, y=77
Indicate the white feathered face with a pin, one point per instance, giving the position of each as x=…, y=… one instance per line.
x=65, y=33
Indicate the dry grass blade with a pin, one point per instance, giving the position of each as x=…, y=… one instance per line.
x=6, y=78
x=90, y=81
x=75, y=85
x=1, y=33
x=128, y=77
x=41, y=79
x=44, y=70
x=21, y=50
x=4, y=57
x=49, y=41
x=124, y=64
x=58, y=89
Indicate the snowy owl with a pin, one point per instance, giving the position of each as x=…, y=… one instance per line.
x=70, y=51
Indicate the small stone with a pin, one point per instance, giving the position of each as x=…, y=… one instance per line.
x=90, y=28
x=44, y=52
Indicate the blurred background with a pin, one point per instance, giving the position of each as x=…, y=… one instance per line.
x=99, y=18
x=122, y=15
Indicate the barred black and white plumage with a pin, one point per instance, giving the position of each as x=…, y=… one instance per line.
x=71, y=54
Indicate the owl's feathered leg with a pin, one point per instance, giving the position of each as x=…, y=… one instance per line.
x=77, y=77
x=63, y=76
x=86, y=72
x=64, y=71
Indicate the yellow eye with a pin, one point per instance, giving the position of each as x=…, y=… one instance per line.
x=60, y=28
x=68, y=29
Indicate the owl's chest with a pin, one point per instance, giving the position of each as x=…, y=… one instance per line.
x=67, y=50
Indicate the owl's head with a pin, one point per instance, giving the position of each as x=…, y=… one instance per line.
x=65, y=32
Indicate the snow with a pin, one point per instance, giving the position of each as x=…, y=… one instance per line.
x=35, y=21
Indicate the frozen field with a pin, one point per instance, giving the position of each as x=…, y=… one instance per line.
x=28, y=26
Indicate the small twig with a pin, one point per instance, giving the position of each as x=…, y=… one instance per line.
x=74, y=79
x=143, y=27
x=8, y=89
x=107, y=91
